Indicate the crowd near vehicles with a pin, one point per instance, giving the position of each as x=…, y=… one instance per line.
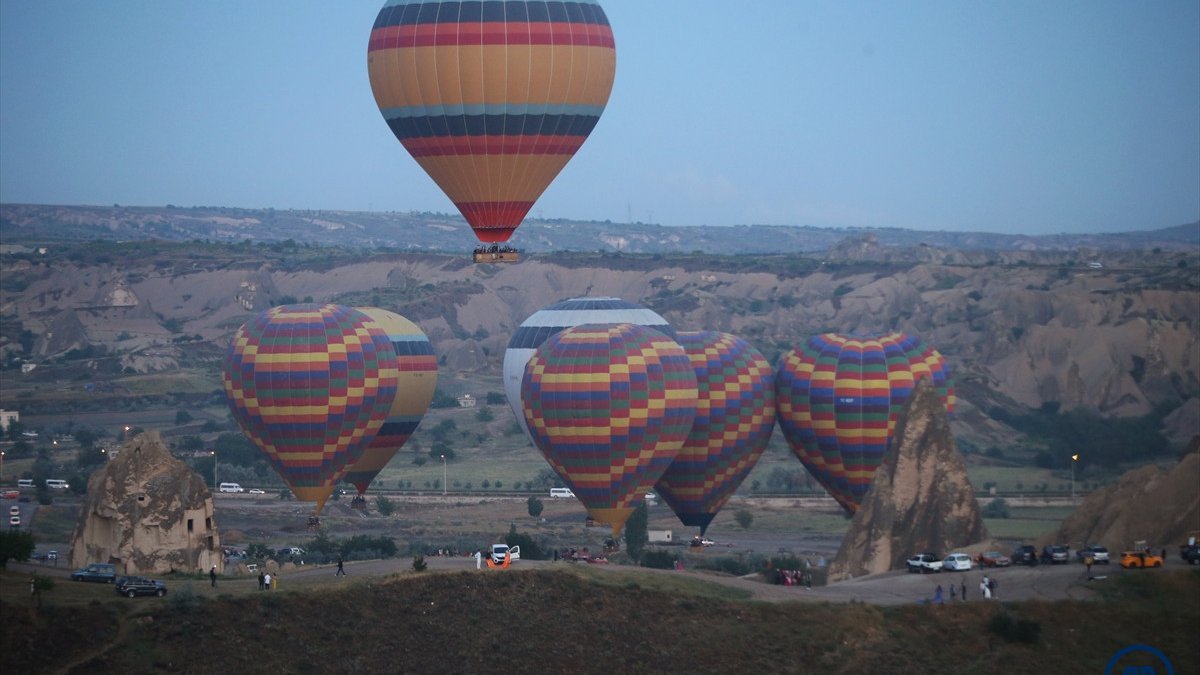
x=132, y=587
x=924, y=563
x=1140, y=560
x=103, y=573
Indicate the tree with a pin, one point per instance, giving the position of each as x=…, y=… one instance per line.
x=15, y=545
x=86, y=438
x=535, y=506
x=637, y=533
x=183, y=417
x=235, y=448
x=385, y=506
x=494, y=398
x=484, y=414
x=744, y=518
x=530, y=550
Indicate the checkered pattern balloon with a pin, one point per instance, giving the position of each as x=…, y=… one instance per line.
x=735, y=415
x=838, y=398
x=609, y=405
x=310, y=385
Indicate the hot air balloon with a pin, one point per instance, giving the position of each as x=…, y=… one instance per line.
x=557, y=317
x=838, y=398
x=735, y=415
x=417, y=378
x=491, y=98
x=310, y=385
x=609, y=406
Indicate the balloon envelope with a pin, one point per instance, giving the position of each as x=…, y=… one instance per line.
x=735, y=415
x=310, y=385
x=609, y=406
x=491, y=98
x=416, y=367
x=838, y=397
x=548, y=321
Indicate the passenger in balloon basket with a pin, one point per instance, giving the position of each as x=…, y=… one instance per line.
x=314, y=523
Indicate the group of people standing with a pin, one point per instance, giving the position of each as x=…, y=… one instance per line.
x=267, y=581
x=987, y=589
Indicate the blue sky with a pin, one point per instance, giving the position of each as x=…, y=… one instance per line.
x=1013, y=116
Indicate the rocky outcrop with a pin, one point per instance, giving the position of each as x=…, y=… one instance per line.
x=920, y=499
x=1158, y=506
x=147, y=513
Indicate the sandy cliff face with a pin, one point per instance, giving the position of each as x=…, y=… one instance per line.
x=147, y=513
x=1151, y=504
x=920, y=499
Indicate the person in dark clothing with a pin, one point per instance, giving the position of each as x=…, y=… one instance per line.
x=341, y=571
x=964, y=589
x=212, y=575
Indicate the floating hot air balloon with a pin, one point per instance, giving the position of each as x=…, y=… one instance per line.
x=838, y=398
x=609, y=405
x=310, y=385
x=417, y=378
x=735, y=415
x=558, y=317
x=491, y=98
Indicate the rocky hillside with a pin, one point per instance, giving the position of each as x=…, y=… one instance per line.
x=1119, y=338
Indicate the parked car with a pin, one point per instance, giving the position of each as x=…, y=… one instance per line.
x=256, y=491
x=1055, y=554
x=994, y=559
x=1096, y=552
x=699, y=541
x=499, y=551
x=99, y=572
x=924, y=562
x=1025, y=554
x=957, y=562
x=1140, y=559
x=1190, y=553
x=14, y=510
x=290, y=552
x=135, y=586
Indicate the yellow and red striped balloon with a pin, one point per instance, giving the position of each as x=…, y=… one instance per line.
x=310, y=385
x=838, y=397
x=416, y=367
x=492, y=98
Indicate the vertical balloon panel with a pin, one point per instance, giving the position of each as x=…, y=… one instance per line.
x=310, y=385
x=491, y=98
x=416, y=367
x=735, y=415
x=609, y=406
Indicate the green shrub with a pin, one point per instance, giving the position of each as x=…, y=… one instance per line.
x=657, y=558
x=184, y=600
x=997, y=508
x=418, y=563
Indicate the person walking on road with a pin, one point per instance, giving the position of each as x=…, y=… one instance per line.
x=964, y=589
x=341, y=571
x=478, y=560
x=985, y=588
x=212, y=575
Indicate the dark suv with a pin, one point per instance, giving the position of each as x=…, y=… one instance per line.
x=1190, y=553
x=104, y=573
x=134, y=586
x=1025, y=555
x=1056, y=554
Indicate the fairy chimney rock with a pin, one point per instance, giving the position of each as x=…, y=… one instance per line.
x=920, y=498
x=148, y=513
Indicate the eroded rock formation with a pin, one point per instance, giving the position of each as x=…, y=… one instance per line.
x=920, y=499
x=1158, y=506
x=148, y=513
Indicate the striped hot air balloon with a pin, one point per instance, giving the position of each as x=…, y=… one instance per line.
x=838, y=397
x=310, y=385
x=547, y=321
x=735, y=415
x=491, y=98
x=609, y=406
x=416, y=366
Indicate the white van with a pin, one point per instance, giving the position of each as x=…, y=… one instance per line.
x=564, y=493
x=24, y=482
x=231, y=487
x=56, y=484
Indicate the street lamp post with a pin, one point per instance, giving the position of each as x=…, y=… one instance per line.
x=1, y=465
x=1074, y=458
x=443, y=475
